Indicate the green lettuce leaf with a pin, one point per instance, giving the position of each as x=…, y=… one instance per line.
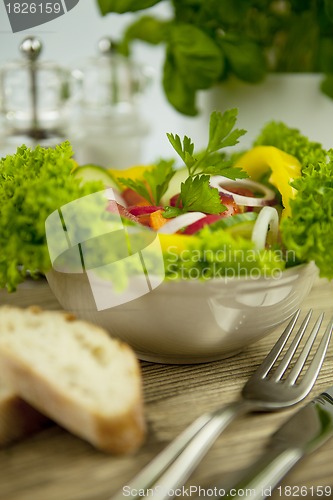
x=309, y=230
x=33, y=183
x=292, y=142
x=217, y=254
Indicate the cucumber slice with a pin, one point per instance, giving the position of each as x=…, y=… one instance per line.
x=174, y=185
x=239, y=225
x=241, y=230
x=94, y=173
x=234, y=220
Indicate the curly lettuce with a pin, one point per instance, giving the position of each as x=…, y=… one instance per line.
x=292, y=141
x=218, y=254
x=33, y=183
x=309, y=230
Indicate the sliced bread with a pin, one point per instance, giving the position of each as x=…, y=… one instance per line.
x=17, y=418
x=74, y=373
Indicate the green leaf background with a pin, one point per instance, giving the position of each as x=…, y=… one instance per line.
x=207, y=41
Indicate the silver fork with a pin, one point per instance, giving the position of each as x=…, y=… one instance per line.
x=264, y=391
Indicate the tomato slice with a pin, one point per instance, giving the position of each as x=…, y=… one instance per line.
x=231, y=206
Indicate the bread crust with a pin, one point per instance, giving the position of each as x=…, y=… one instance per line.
x=18, y=419
x=121, y=432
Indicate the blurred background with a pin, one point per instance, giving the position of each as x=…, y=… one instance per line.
x=73, y=38
x=117, y=115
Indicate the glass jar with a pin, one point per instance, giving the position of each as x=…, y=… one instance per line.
x=107, y=128
x=33, y=100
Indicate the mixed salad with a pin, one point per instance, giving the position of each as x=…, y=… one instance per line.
x=218, y=213
x=224, y=214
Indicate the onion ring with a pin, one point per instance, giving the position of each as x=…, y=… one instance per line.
x=217, y=181
x=267, y=220
x=181, y=221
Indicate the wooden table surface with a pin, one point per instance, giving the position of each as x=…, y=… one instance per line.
x=54, y=465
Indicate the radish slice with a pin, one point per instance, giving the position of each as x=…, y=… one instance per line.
x=267, y=220
x=180, y=221
x=248, y=201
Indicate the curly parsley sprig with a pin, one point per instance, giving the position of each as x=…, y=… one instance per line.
x=196, y=193
x=155, y=182
x=221, y=135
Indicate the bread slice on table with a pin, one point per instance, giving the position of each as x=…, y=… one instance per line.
x=17, y=418
x=74, y=373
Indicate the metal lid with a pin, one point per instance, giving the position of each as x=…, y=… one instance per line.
x=33, y=93
x=109, y=80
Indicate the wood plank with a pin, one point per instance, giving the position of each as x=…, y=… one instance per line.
x=55, y=464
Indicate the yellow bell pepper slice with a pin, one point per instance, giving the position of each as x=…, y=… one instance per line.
x=176, y=243
x=284, y=167
x=135, y=173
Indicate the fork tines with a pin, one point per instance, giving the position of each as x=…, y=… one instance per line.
x=296, y=370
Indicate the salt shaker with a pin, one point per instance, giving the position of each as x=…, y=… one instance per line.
x=33, y=100
x=108, y=129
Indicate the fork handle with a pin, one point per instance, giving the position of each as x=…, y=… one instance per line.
x=262, y=477
x=172, y=467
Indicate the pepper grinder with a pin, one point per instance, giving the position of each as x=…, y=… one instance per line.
x=107, y=127
x=33, y=97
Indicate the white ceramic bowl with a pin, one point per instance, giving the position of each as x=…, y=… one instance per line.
x=191, y=321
